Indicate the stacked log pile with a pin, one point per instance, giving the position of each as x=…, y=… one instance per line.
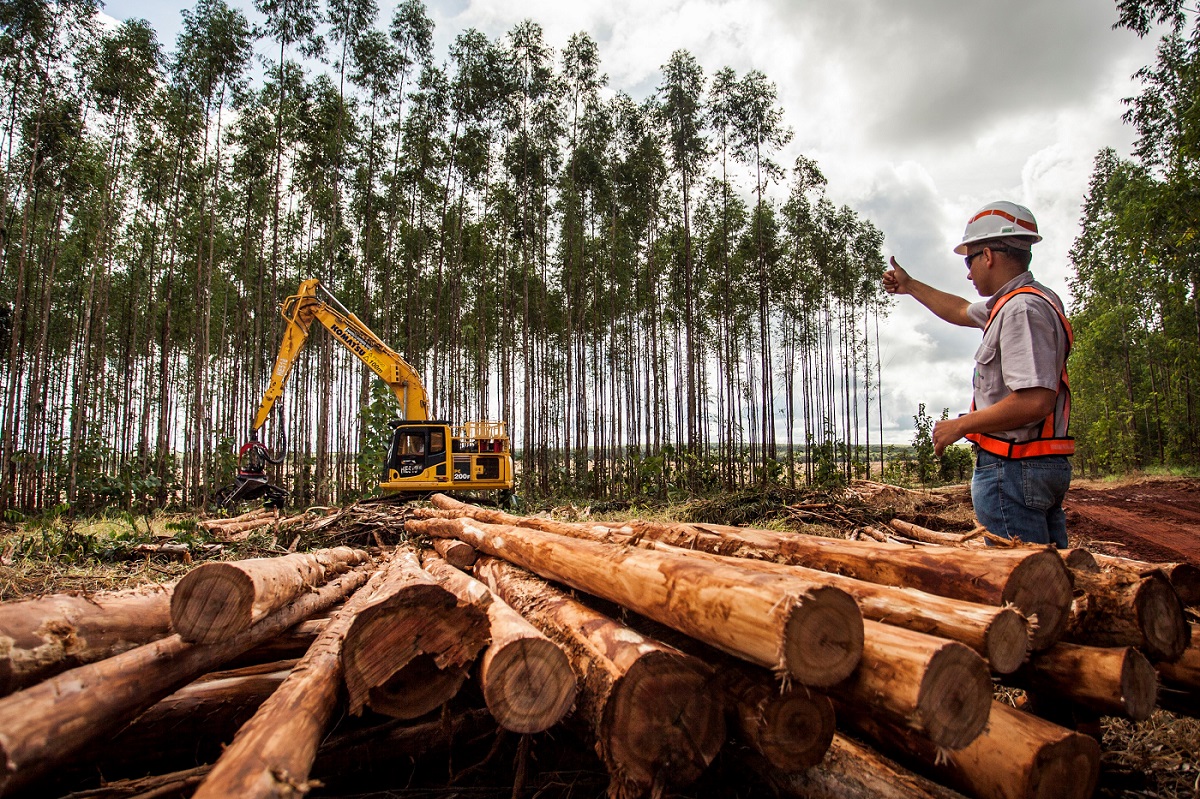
x=660, y=645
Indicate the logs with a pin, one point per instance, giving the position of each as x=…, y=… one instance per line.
x=648, y=707
x=1113, y=681
x=456, y=553
x=1033, y=580
x=49, y=723
x=526, y=679
x=274, y=751
x=408, y=649
x=218, y=600
x=1129, y=610
x=1002, y=635
x=799, y=627
x=42, y=637
x=1019, y=756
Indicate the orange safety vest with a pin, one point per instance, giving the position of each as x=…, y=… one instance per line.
x=1046, y=443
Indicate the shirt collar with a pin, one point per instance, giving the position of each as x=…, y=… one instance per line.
x=1023, y=279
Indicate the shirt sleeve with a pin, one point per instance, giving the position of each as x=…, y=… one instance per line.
x=1030, y=346
x=978, y=313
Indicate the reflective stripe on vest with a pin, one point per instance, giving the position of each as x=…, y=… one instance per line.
x=1046, y=443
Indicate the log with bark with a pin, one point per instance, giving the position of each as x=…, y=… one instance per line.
x=408, y=649
x=526, y=678
x=1118, y=609
x=191, y=725
x=851, y=771
x=1020, y=756
x=1035, y=581
x=924, y=534
x=795, y=626
x=790, y=728
x=273, y=753
x=48, y=635
x=1180, y=691
x=651, y=711
x=1116, y=681
x=49, y=723
x=260, y=515
x=1185, y=577
x=935, y=687
x=218, y=600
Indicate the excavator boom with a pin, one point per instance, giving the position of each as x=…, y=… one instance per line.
x=314, y=302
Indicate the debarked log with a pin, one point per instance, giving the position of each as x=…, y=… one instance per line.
x=937, y=688
x=1118, y=609
x=49, y=723
x=1185, y=577
x=795, y=626
x=217, y=600
x=526, y=678
x=652, y=711
x=48, y=635
x=408, y=649
x=1020, y=756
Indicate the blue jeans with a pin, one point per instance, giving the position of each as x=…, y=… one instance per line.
x=1022, y=498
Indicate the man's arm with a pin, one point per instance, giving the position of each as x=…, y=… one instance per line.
x=949, y=307
x=1023, y=406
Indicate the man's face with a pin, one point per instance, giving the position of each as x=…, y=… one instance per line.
x=979, y=270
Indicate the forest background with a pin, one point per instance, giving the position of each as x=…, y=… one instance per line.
x=611, y=276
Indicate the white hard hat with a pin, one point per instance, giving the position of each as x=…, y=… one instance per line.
x=1001, y=220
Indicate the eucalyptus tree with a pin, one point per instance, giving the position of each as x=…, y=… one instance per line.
x=290, y=23
x=759, y=131
x=212, y=53
x=534, y=125
x=682, y=113
x=582, y=83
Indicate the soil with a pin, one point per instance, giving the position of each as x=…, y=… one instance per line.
x=1155, y=520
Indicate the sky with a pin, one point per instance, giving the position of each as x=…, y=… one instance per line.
x=918, y=112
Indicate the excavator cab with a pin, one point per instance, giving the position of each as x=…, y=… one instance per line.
x=438, y=456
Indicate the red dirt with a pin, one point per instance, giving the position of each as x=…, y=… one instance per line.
x=1154, y=519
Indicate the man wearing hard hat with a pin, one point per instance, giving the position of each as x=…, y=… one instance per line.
x=1022, y=401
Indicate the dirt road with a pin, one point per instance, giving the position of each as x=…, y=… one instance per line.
x=1153, y=519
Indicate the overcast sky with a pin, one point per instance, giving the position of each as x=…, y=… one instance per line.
x=918, y=112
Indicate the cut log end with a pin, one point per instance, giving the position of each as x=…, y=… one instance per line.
x=823, y=638
x=1041, y=588
x=796, y=730
x=955, y=697
x=416, y=689
x=1065, y=769
x=213, y=603
x=1162, y=620
x=662, y=721
x=528, y=685
x=458, y=554
x=1139, y=686
x=1007, y=641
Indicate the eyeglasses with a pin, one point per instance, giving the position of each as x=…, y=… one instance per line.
x=972, y=257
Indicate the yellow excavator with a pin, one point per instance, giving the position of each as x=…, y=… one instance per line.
x=424, y=454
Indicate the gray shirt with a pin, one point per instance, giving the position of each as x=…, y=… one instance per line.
x=1025, y=347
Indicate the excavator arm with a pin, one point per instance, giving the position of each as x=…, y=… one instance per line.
x=313, y=302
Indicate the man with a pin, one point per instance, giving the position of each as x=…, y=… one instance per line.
x=1021, y=404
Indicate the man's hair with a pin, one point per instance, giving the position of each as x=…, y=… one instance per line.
x=1022, y=257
